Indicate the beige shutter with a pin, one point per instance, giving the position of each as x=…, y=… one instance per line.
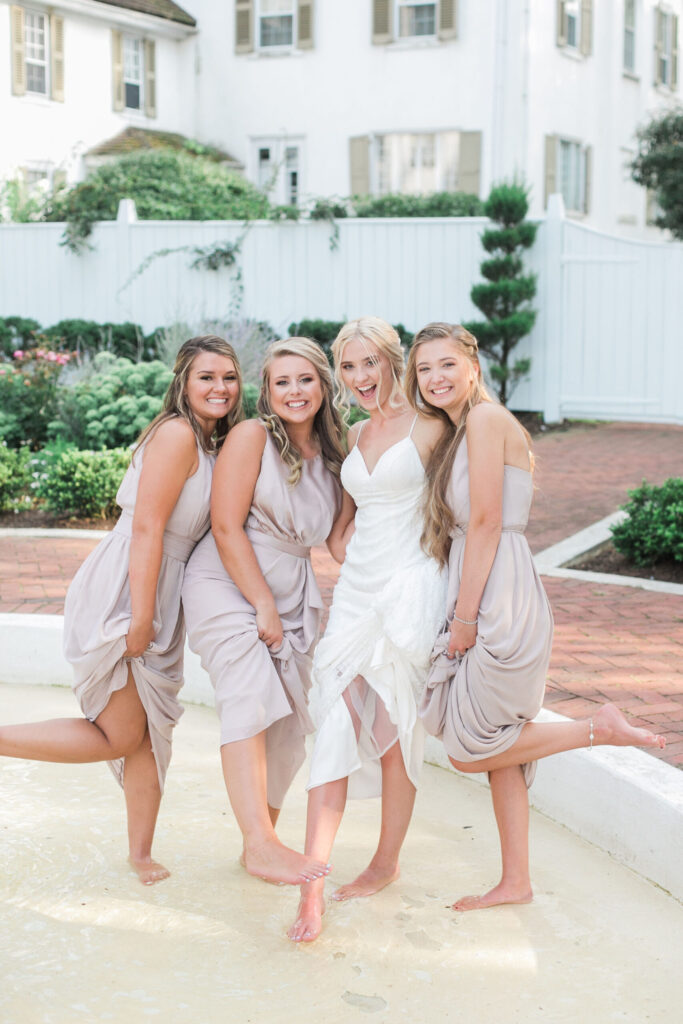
x=561, y=28
x=304, y=23
x=58, y=180
x=18, y=58
x=382, y=21
x=674, y=51
x=586, y=45
x=448, y=14
x=659, y=36
x=57, y=58
x=469, y=162
x=359, y=153
x=150, y=78
x=550, y=168
x=119, y=99
x=587, y=178
x=244, y=26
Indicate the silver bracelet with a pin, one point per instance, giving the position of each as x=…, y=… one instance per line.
x=465, y=622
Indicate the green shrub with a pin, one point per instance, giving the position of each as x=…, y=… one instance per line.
x=113, y=406
x=250, y=395
x=84, y=483
x=325, y=331
x=15, y=477
x=28, y=396
x=87, y=336
x=17, y=332
x=165, y=185
x=653, y=528
x=438, y=204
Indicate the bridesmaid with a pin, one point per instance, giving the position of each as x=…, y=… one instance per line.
x=386, y=611
x=123, y=624
x=489, y=668
x=251, y=600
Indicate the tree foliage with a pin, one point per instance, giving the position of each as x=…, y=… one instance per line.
x=658, y=166
x=505, y=298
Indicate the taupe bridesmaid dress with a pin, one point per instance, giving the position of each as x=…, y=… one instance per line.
x=478, y=704
x=97, y=613
x=259, y=689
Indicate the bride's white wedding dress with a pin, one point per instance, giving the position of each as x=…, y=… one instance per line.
x=388, y=606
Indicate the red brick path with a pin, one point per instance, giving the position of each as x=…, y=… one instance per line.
x=611, y=643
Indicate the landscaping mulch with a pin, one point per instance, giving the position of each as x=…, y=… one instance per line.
x=40, y=519
x=608, y=559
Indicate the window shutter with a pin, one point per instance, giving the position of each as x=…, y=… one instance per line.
x=119, y=100
x=18, y=59
x=382, y=18
x=561, y=29
x=359, y=152
x=57, y=58
x=586, y=27
x=150, y=78
x=448, y=12
x=674, y=51
x=305, y=25
x=244, y=26
x=550, y=167
x=469, y=162
x=587, y=178
x=58, y=180
x=659, y=35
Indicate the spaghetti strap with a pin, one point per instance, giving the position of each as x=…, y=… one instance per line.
x=360, y=430
x=410, y=432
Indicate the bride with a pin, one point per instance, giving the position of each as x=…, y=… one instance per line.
x=386, y=611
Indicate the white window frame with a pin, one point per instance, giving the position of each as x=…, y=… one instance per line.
x=578, y=187
x=630, y=35
x=259, y=15
x=281, y=193
x=665, y=58
x=32, y=12
x=402, y=5
x=386, y=169
x=127, y=40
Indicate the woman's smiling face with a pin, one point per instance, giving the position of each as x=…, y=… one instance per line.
x=366, y=372
x=445, y=375
x=295, y=390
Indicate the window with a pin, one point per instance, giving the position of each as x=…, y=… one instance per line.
x=630, y=36
x=132, y=72
x=36, y=52
x=278, y=169
x=666, y=48
x=575, y=25
x=571, y=13
x=416, y=163
x=571, y=167
x=415, y=18
x=275, y=23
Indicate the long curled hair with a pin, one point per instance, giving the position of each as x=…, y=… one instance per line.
x=370, y=330
x=438, y=517
x=327, y=427
x=175, y=400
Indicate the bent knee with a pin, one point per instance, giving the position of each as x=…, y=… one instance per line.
x=470, y=767
x=125, y=744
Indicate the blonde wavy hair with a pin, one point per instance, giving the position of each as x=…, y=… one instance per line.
x=175, y=400
x=369, y=331
x=438, y=517
x=327, y=426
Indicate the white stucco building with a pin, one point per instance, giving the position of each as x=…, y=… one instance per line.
x=334, y=97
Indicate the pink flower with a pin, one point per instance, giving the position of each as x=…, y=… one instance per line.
x=2, y=372
x=27, y=382
x=63, y=359
x=18, y=354
x=51, y=357
x=40, y=353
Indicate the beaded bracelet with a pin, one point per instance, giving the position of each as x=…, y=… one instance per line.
x=465, y=622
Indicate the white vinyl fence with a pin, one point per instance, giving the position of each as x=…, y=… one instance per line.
x=608, y=341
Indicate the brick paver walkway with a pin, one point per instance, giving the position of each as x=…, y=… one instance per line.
x=611, y=643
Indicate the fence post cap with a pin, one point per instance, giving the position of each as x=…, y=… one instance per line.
x=126, y=213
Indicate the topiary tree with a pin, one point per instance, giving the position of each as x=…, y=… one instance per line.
x=659, y=167
x=505, y=299
x=165, y=184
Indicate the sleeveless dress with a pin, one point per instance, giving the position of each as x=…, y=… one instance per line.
x=257, y=688
x=97, y=613
x=387, y=608
x=478, y=704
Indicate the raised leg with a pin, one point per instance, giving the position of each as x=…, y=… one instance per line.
x=541, y=739
x=244, y=770
x=398, y=800
x=143, y=796
x=511, y=807
x=325, y=809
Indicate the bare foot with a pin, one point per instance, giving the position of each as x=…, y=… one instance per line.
x=274, y=862
x=500, y=894
x=368, y=882
x=308, y=922
x=149, y=871
x=612, y=728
